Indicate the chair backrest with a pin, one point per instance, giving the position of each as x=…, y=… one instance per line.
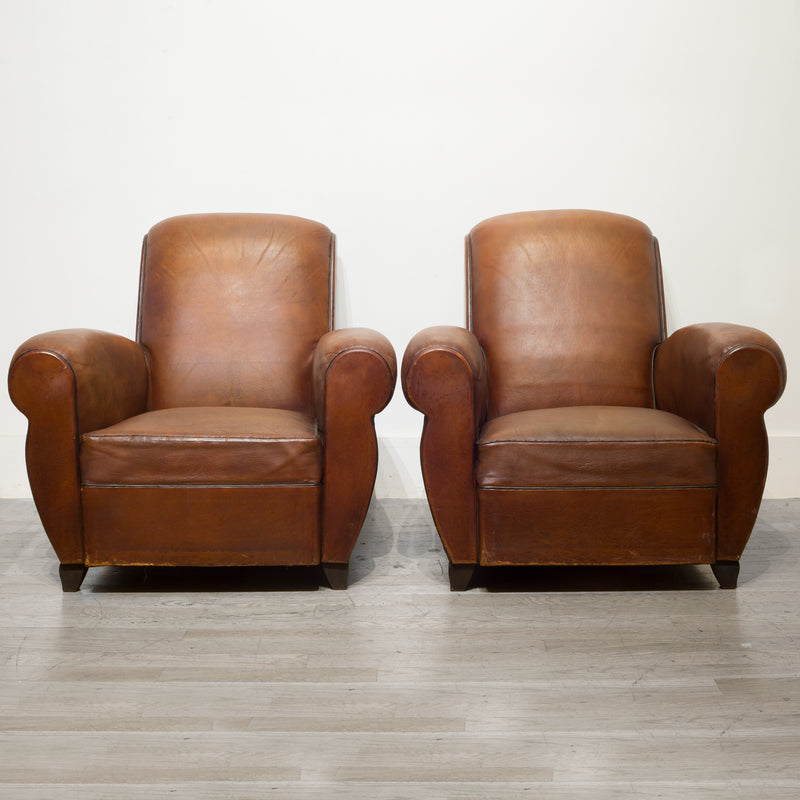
x=568, y=307
x=231, y=307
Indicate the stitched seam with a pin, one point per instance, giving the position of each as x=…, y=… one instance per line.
x=188, y=485
x=598, y=441
x=593, y=487
x=204, y=440
x=363, y=349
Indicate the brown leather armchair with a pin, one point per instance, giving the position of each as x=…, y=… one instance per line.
x=564, y=426
x=236, y=430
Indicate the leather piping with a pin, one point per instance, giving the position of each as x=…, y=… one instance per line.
x=592, y=488
x=331, y=282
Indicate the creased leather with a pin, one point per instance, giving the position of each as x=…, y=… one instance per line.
x=567, y=307
x=232, y=307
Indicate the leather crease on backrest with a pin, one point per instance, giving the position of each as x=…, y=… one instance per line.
x=231, y=307
x=568, y=307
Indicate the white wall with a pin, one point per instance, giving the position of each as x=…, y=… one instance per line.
x=400, y=125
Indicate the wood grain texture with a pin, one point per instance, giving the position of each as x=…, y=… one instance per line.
x=556, y=682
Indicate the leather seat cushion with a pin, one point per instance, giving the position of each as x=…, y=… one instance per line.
x=225, y=446
x=594, y=446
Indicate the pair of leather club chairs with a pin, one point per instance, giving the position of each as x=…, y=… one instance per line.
x=562, y=425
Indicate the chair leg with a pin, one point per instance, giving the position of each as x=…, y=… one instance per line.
x=727, y=573
x=461, y=576
x=336, y=575
x=72, y=576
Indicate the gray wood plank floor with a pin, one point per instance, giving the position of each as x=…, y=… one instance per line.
x=550, y=683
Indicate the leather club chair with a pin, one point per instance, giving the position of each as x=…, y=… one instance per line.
x=236, y=430
x=564, y=427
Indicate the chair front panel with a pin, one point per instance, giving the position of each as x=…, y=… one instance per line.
x=231, y=307
x=597, y=526
x=202, y=526
x=567, y=306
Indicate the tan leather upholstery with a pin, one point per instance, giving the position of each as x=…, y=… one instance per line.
x=231, y=310
x=226, y=446
x=594, y=446
x=238, y=427
x=567, y=307
x=564, y=427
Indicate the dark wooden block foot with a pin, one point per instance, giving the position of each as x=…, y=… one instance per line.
x=72, y=576
x=461, y=576
x=336, y=575
x=727, y=573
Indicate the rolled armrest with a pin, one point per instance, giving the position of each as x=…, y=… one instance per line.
x=67, y=383
x=346, y=349
x=444, y=377
x=105, y=373
x=433, y=359
x=702, y=366
x=354, y=375
x=723, y=378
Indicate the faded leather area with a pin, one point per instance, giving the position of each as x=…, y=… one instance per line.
x=204, y=446
x=594, y=446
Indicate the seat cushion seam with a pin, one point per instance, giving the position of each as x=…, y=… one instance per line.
x=180, y=438
x=706, y=442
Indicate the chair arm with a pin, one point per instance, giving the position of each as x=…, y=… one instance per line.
x=354, y=375
x=444, y=377
x=424, y=370
x=723, y=378
x=701, y=369
x=66, y=383
x=353, y=351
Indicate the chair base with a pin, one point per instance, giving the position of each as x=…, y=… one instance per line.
x=726, y=573
x=72, y=576
x=336, y=575
x=461, y=576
